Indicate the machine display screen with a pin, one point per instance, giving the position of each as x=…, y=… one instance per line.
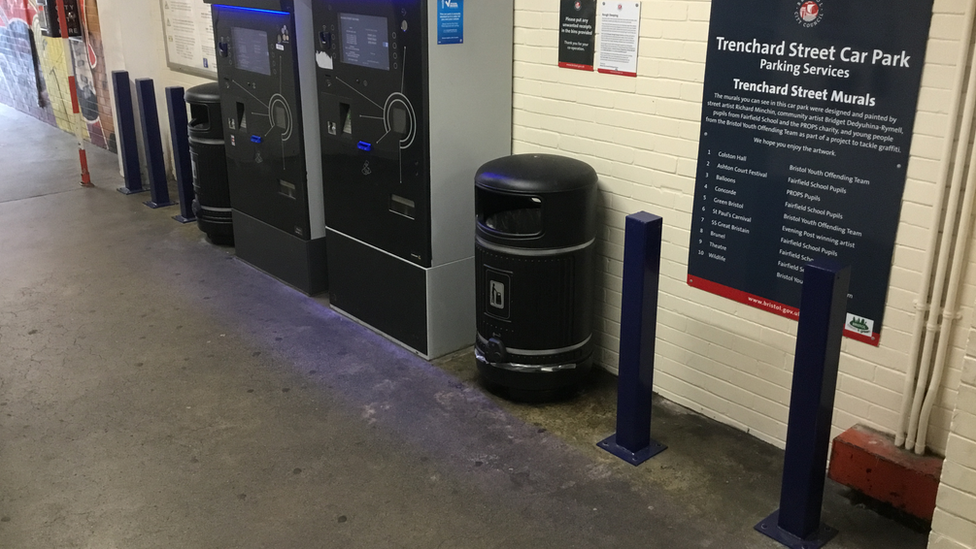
x=365, y=41
x=251, y=50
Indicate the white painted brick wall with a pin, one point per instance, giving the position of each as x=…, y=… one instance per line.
x=132, y=32
x=726, y=360
x=954, y=523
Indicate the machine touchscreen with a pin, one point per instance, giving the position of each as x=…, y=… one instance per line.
x=364, y=41
x=251, y=50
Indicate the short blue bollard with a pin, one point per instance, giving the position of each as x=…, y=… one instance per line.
x=178, y=129
x=823, y=309
x=158, y=185
x=638, y=332
x=128, y=143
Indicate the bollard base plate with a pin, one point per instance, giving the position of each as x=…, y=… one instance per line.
x=184, y=220
x=155, y=205
x=634, y=458
x=126, y=190
x=770, y=527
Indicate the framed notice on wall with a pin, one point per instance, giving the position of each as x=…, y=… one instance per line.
x=188, y=31
x=806, y=127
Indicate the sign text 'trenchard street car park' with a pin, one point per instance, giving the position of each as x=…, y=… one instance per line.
x=806, y=125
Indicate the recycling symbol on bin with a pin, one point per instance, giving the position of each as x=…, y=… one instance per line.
x=366, y=169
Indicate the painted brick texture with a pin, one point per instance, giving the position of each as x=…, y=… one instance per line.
x=954, y=524
x=725, y=360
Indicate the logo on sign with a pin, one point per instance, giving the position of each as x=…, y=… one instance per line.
x=579, y=6
x=450, y=4
x=809, y=13
x=860, y=325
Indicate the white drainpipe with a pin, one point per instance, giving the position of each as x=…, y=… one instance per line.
x=920, y=366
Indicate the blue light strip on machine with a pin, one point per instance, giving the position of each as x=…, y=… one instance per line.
x=252, y=9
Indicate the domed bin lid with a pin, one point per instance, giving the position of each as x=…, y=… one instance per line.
x=204, y=93
x=536, y=174
x=539, y=201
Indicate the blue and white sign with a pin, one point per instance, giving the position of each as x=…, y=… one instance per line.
x=450, y=21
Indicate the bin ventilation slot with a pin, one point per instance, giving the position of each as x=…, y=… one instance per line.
x=402, y=206
x=509, y=214
x=199, y=117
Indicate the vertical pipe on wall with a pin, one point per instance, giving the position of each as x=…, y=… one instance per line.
x=945, y=165
x=948, y=232
x=952, y=295
x=942, y=267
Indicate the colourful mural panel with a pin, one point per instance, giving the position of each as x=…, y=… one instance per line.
x=34, y=76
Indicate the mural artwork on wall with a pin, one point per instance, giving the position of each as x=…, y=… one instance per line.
x=33, y=75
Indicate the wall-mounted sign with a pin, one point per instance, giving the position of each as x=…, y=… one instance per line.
x=450, y=21
x=619, y=37
x=806, y=125
x=577, y=28
x=188, y=31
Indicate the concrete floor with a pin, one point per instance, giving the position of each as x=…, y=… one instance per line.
x=156, y=392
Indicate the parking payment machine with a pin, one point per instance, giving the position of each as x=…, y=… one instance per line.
x=414, y=96
x=265, y=68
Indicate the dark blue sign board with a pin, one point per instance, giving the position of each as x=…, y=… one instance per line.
x=450, y=21
x=806, y=126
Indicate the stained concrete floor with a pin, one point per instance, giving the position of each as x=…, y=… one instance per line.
x=156, y=392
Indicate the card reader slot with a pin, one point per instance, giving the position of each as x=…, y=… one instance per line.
x=402, y=206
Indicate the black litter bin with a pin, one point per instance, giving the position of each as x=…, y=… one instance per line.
x=534, y=252
x=212, y=204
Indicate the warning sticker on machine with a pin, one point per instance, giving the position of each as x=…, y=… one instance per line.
x=450, y=21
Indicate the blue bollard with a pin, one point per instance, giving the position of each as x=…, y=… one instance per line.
x=128, y=144
x=638, y=332
x=158, y=185
x=178, y=129
x=823, y=309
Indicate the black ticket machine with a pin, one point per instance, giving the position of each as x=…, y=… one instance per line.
x=414, y=96
x=265, y=68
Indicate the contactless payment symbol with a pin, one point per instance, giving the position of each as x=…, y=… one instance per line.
x=499, y=290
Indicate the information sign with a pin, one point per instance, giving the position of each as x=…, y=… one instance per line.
x=619, y=37
x=450, y=21
x=806, y=125
x=188, y=31
x=577, y=27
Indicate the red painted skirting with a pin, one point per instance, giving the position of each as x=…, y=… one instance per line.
x=869, y=462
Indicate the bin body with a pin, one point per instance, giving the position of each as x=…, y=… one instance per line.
x=534, y=253
x=212, y=204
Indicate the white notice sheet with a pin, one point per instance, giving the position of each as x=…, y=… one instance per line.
x=189, y=35
x=619, y=37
